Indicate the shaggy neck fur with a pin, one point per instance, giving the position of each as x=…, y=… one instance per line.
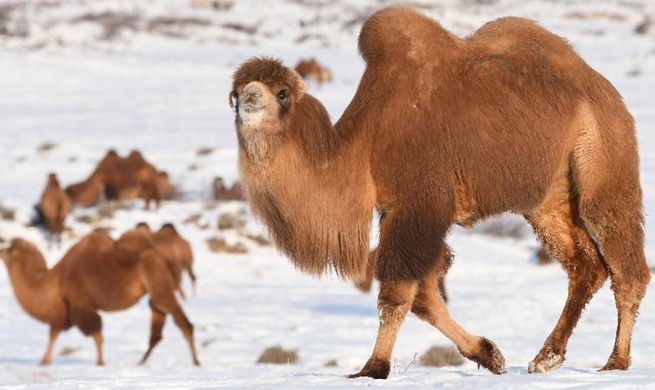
x=314, y=194
x=36, y=288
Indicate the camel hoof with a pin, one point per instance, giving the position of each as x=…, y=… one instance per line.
x=489, y=357
x=374, y=368
x=546, y=361
x=615, y=363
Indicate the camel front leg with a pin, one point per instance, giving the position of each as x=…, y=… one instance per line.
x=394, y=301
x=98, y=339
x=47, y=358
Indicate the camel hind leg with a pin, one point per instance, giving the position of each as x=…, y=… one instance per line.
x=558, y=224
x=606, y=173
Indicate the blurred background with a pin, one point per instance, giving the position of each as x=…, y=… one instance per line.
x=78, y=78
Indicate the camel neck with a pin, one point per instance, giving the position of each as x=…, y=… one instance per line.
x=36, y=289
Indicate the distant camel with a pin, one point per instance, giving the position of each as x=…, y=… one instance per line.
x=444, y=130
x=221, y=192
x=121, y=178
x=54, y=207
x=312, y=70
x=96, y=274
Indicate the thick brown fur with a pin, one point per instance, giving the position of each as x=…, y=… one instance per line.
x=444, y=130
x=54, y=207
x=311, y=70
x=366, y=283
x=97, y=273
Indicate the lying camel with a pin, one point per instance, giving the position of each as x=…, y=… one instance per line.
x=443, y=131
x=97, y=273
x=54, y=207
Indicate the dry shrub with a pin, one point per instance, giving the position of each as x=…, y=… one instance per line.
x=218, y=245
x=645, y=26
x=278, y=355
x=67, y=351
x=196, y=219
x=88, y=219
x=595, y=15
x=208, y=342
x=46, y=147
x=438, y=356
x=226, y=221
x=193, y=167
x=16, y=27
x=175, y=26
x=249, y=30
x=205, y=151
x=7, y=214
x=260, y=239
x=2, y=240
x=331, y=363
x=106, y=210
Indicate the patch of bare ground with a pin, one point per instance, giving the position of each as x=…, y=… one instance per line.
x=46, y=147
x=7, y=214
x=113, y=23
x=219, y=245
x=595, y=15
x=260, y=239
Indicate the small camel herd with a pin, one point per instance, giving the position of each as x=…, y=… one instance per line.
x=115, y=178
x=442, y=130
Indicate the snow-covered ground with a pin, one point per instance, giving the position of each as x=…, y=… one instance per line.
x=63, y=83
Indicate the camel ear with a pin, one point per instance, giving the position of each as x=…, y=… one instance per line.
x=301, y=87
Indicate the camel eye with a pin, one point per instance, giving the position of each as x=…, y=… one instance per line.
x=282, y=95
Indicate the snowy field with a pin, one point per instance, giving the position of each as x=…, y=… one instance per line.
x=163, y=90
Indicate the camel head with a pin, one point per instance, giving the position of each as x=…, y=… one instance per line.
x=52, y=180
x=22, y=252
x=264, y=93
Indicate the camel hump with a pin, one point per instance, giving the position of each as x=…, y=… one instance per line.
x=400, y=31
x=506, y=32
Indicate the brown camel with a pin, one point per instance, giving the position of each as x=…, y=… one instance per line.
x=312, y=70
x=221, y=192
x=126, y=178
x=54, y=207
x=175, y=249
x=98, y=273
x=444, y=130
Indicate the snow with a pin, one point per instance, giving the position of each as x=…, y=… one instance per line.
x=168, y=97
